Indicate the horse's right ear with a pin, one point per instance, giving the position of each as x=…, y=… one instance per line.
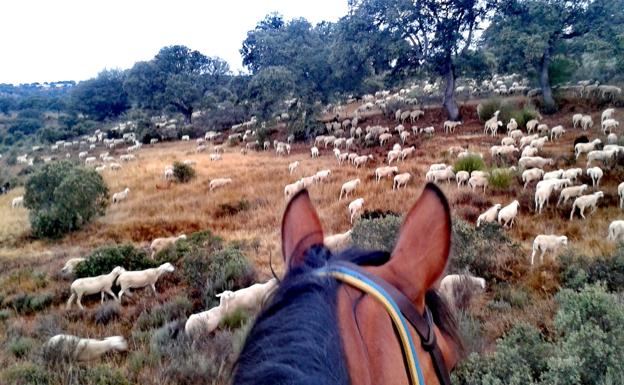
x=301, y=229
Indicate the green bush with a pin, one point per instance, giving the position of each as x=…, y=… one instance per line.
x=500, y=178
x=159, y=315
x=232, y=208
x=106, y=313
x=377, y=233
x=487, y=108
x=525, y=114
x=576, y=271
x=183, y=173
x=5, y=314
x=63, y=197
x=26, y=373
x=105, y=259
x=21, y=346
x=514, y=296
x=24, y=303
x=229, y=269
x=469, y=164
x=203, y=240
x=235, y=320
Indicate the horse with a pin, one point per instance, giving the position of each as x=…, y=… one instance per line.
x=317, y=330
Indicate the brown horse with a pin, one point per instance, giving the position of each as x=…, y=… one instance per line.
x=316, y=330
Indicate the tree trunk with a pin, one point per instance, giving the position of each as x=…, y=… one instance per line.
x=549, y=101
x=449, y=102
x=188, y=115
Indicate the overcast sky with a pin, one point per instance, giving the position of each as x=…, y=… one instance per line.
x=53, y=40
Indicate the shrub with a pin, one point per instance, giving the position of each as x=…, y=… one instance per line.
x=232, y=208
x=106, y=313
x=21, y=346
x=514, y=296
x=5, y=314
x=203, y=240
x=469, y=164
x=183, y=173
x=486, y=109
x=235, y=320
x=229, y=269
x=377, y=233
x=24, y=303
x=525, y=114
x=26, y=373
x=159, y=315
x=102, y=375
x=500, y=179
x=62, y=198
x=576, y=271
x=105, y=259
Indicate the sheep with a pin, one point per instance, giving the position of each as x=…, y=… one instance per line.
x=158, y=244
x=557, y=174
x=529, y=152
x=526, y=140
x=576, y=119
x=512, y=125
x=557, y=184
x=219, y=182
x=609, y=125
x=70, y=265
x=293, y=188
x=91, y=160
x=17, y=202
x=250, y=298
x=322, y=176
x=415, y=115
x=531, y=175
x=462, y=178
x=382, y=172
x=383, y=138
x=508, y=214
x=293, y=166
x=616, y=231
x=585, y=201
x=348, y=187
x=612, y=138
x=93, y=285
x=314, y=151
x=120, y=196
x=404, y=135
x=595, y=173
x=516, y=135
x=343, y=158
x=492, y=124
x=535, y=161
x=447, y=174
x=546, y=243
x=455, y=286
x=401, y=180
x=557, y=132
x=478, y=181
x=542, y=128
x=136, y=279
x=427, y=131
x=532, y=125
x=115, y=166
x=169, y=174
x=84, y=349
x=571, y=192
x=361, y=160
x=572, y=173
x=185, y=138
x=337, y=242
x=393, y=155
x=607, y=114
x=407, y=151
x=581, y=148
x=206, y=321
x=490, y=215
x=601, y=155
x=355, y=207
x=437, y=166
x=587, y=122
x=480, y=174
x=449, y=126
x=621, y=194
x=507, y=141
x=125, y=158
x=539, y=143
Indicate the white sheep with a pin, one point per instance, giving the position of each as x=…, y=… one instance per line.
x=478, y=181
x=546, y=243
x=401, y=180
x=219, y=182
x=136, y=279
x=394, y=155
x=616, y=231
x=609, y=125
x=120, y=196
x=452, y=284
x=595, y=173
x=557, y=132
x=249, y=298
x=576, y=119
x=587, y=122
x=293, y=166
x=404, y=136
x=612, y=138
x=437, y=166
x=185, y=138
x=490, y=215
x=607, y=114
x=621, y=194
x=512, y=125
x=355, y=207
x=526, y=140
x=361, y=160
x=337, y=242
x=507, y=141
x=535, y=161
x=572, y=173
x=322, y=176
x=314, y=152
x=17, y=202
x=462, y=178
x=508, y=214
x=581, y=148
x=383, y=172
x=349, y=187
x=93, y=285
x=115, y=166
x=308, y=181
x=71, y=264
x=539, y=142
x=85, y=349
x=444, y=175
x=557, y=174
x=529, y=152
x=571, y=192
x=585, y=201
x=407, y=151
x=532, y=125
x=204, y=322
x=293, y=188
x=426, y=130
x=158, y=244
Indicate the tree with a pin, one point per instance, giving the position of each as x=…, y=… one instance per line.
x=437, y=33
x=268, y=89
x=62, y=198
x=526, y=35
x=102, y=97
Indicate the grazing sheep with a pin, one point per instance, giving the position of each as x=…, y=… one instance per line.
x=443, y=175
x=361, y=160
x=607, y=114
x=293, y=166
x=337, y=242
x=490, y=215
x=115, y=166
x=429, y=131
x=507, y=141
x=532, y=125
x=314, y=152
x=557, y=174
x=616, y=231
x=249, y=298
x=516, y=135
x=437, y=167
x=449, y=126
x=557, y=132
x=219, y=182
x=508, y=214
x=609, y=125
x=539, y=142
x=587, y=122
x=535, y=161
x=393, y=155
x=383, y=172
x=70, y=265
x=462, y=178
x=17, y=202
x=612, y=138
x=407, y=152
x=546, y=243
x=621, y=194
x=529, y=152
x=308, y=181
x=542, y=128
x=585, y=201
x=120, y=196
x=512, y=125
x=455, y=286
x=355, y=207
x=401, y=180
x=293, y=188
x=93, y=285
x=572, y=173
x=532, y=175
x=576, y=119
x=600, y=155
x=478, y=181
x=85, y=349
x=595, y=173
x=404, y=135
x=571, y=192
x=383, y=138
x=349, y=187
x=206, y=321
x=322, y=176
x=158, y=244
x=142, y=278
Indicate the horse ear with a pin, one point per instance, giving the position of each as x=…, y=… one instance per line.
x=421, y=252
x=301, y=229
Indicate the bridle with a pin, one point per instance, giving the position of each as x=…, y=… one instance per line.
x=401, y=310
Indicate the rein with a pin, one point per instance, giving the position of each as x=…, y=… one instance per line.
x=401, y=310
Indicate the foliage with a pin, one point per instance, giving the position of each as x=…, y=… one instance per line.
x=577, y=271
x=377, y=233
x=235, y=320
x=232, y=208
x=183, y=173
x=21, y=346
x=26, y=373
x=201, y=240
x=102, y=97
x=229, y=269
x=469, y=163
x=159, y=315
x=25, y=303
x=106, y=313
x=500, y=179
x=63, y=197
x=523, y=115
x=105, y=259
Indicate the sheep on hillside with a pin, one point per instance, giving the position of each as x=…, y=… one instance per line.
x=158, y=244
x=84, y=349
x=546, y=243
x=137, y=279
x=93, y=285
x=585, y=201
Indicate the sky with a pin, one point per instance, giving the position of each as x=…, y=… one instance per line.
x=55, y=40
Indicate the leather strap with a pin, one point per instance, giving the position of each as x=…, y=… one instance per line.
x=422, y=324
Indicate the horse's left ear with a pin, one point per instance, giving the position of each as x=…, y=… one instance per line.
x=421, y=252
x=301, y=229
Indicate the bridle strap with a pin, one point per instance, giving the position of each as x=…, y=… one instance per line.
x=422, y=324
